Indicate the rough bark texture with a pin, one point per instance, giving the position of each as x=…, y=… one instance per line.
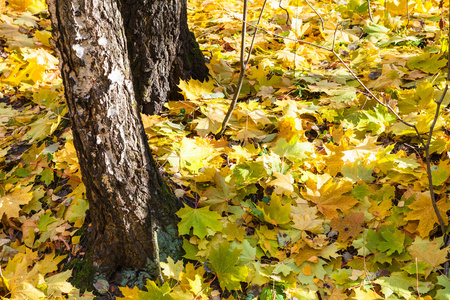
x=123, y=185
x=161, y=49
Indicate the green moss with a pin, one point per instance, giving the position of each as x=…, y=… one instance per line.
x=194, y=54
x=170, y=244
x=83, y=274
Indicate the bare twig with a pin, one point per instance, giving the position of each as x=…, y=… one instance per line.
x=369, y=8
x=288, y=38
x=407, y=12
x=241, y=74
x=288, y=20
x=428, y=160
x=446, y=237
x=417, y=279
x=254, y=34
x=426, y=146
x=390, y=109
x=317, y=13
x=243, y=64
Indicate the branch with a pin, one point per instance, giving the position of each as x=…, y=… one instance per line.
x=317, y=13
x=427, y=145
x=370, y=11
x=244, y=65
x=241, y=74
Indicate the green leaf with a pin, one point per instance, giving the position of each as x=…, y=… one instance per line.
x=293, y=150
x=393, y=240
x=76, y=210
x=398, y=283
x=45, y=220
x=358, y=172
x=47, y=176
x=275, y=213
x=440, y=173
x=200, y=219
x=22, y=172
x=272, y=293
x=191, y=250
x=376, y=121
x=155, y=292
x=443, y=294
x=248, y=252
x=375, y=30
x=249, y=172
x=224, y=262
x=427, y=62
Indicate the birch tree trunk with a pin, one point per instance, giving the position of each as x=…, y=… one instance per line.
x=161, y=50
x=127, y=197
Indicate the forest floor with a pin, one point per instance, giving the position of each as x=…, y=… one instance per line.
x=316, y=190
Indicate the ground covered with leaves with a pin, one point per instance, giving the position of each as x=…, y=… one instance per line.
x=316, y=191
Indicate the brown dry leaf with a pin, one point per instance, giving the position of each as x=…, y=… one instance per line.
x=306, y=254
x=348, y=226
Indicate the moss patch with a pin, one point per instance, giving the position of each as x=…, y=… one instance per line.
x=83, y=274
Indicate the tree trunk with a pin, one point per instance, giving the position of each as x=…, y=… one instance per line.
x=125, y=191
x=161, y=50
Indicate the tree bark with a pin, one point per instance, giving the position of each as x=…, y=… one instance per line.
x=125, y=191
x=161, y=50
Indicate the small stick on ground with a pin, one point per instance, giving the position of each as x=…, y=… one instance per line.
x=370, y=10
x=244, y=64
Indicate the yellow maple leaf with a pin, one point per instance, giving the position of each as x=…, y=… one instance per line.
x=33, y=6
x=283, y=183
x=128, y=293
x=275, y=212
x=398, y=7
x=380, y=210
x=429, y=252
x=211, y=124
x=305, y=218
x=193, y=155
x=289, y=126
x=195, y=89
x=362, y=293
x=172, y=269
x=66, y=159
x=10, y=203
x=34, y=67
x=423, y=207
x=334, y=160
x=189, y=275
x=329, y=197
x=59, y=284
